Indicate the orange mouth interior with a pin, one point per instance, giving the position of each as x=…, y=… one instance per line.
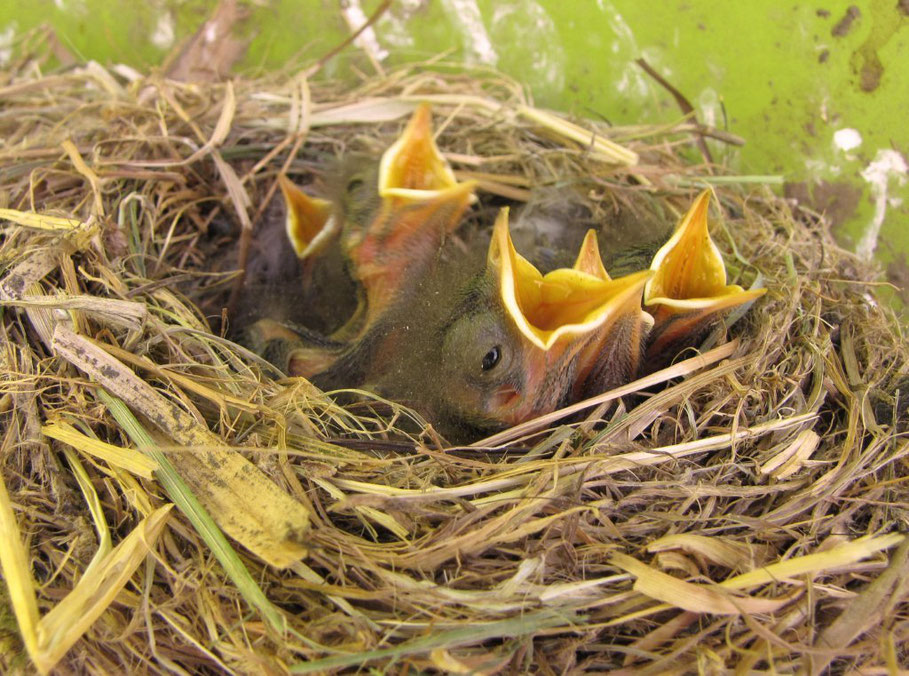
x=566, y=301
x=688, y=271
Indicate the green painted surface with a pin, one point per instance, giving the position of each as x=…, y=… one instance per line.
x=786, y=76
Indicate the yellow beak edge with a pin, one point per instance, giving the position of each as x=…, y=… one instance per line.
x=565, y=302
x=688, y=271
x=413, y=167
x=310, y=223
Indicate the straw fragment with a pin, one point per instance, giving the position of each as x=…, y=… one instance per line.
x=184, y=498
x=610, y=151
x=92, y=178
x=14, y=562
x=124, y=313
x=692, y=597
x=512, y=628
x=131, y=461
x=733, y=555
x=41, y=221
x=792, y=458
x=97, y=589
x=246, y=504
x=48, y=639
x=838, y=556
x=864, y=612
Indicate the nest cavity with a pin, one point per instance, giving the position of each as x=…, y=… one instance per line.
x=742, y=510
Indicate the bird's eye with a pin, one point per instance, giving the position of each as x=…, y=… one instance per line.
x=492, y=358
x=354, y=184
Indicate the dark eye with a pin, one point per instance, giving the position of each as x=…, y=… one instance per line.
x=492, y=358
x=354, y=184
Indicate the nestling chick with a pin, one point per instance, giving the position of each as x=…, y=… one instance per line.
x=478, y=342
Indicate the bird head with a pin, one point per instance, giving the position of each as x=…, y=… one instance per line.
x=310, y=223
x=421, y=204
x=484, y=344
x=383, y=227
x=688, y=292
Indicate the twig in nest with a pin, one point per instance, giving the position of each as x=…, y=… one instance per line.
x=686, y=107
x=317, y=66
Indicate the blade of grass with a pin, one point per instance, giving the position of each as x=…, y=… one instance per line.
x=186, y=501
x=248, y=505
x=601, y=145
x=130, y=460
x=697, y=598
x=40, y=221
x=863, y=612
x=125, y=313
x=524, y=625
x=71, y=618
x=94, y=507
x=835, y=557
x=14, y=563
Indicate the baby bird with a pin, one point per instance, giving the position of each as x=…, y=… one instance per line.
x=382, y=230
x=688, y=293
x=479, y=342
x=485, y=343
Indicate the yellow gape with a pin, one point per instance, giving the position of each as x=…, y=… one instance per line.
x=310, y=224
x=568, y=302
x=688, y=290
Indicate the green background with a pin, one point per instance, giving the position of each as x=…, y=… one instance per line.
x=786, y=76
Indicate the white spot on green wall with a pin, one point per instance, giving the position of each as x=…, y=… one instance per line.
x=367, y=40
x=163, y=35
x=466, y=17
x=632, y=81
x=886, y=171
x=847, y=139
x=535, y=53
x=72, y=7
x=7, y=36
x=709, y=107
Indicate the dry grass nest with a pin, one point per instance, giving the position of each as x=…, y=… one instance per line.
x=742, y=510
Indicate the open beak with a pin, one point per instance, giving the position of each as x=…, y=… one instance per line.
x=422, y=203
x=589, y=259
x=413, y=165
x=310, y=224
x=583, y=330
x=567, y=303
x=688, y=290
x=402, y=240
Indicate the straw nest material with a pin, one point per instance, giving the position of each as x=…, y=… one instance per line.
x=742, y=510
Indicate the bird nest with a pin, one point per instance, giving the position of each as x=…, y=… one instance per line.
x=740, y=510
